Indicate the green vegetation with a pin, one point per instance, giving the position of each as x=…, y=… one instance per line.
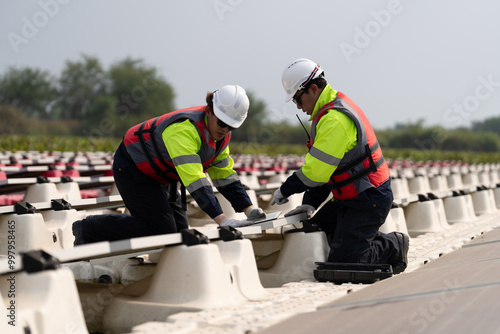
x=89, y=108
x=85, y=100
x=16, y=143
x=416, y=136
x=422, y=155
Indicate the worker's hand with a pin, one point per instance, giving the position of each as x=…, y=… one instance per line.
x=304, y=208
x=279, y=198
x=234, y=222
x=254, y=213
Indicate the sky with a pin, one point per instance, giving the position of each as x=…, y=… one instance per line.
x=401, y=61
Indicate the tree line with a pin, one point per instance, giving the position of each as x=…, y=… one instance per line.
x=87, y=100
x=84, y=100
x=483, y=136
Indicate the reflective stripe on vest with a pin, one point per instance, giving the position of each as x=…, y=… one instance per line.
x=144, y=143
x=363, y=166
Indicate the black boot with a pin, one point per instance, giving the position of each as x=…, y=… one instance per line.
x=77, y=232
x=400, y=260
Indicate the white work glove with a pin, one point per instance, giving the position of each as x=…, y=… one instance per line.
x=234, y=222
x=279, y=198
x=254, y=213
x=309, y=209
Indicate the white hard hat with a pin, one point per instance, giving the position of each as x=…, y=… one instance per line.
x=231, y=105
x=298, y=74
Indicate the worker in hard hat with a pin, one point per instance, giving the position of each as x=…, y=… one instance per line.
x=177, y=146
x=344, y=159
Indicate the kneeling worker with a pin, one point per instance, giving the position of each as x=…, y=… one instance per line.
x=344, y=159
x=177, y=146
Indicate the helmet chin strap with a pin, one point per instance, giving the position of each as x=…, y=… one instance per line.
x=311, y=76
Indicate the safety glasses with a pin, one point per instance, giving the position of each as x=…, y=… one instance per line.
x=224, y=125
x=296, y=99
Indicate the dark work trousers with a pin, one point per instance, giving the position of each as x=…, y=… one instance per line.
x=152, y=207
x=352, y=227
